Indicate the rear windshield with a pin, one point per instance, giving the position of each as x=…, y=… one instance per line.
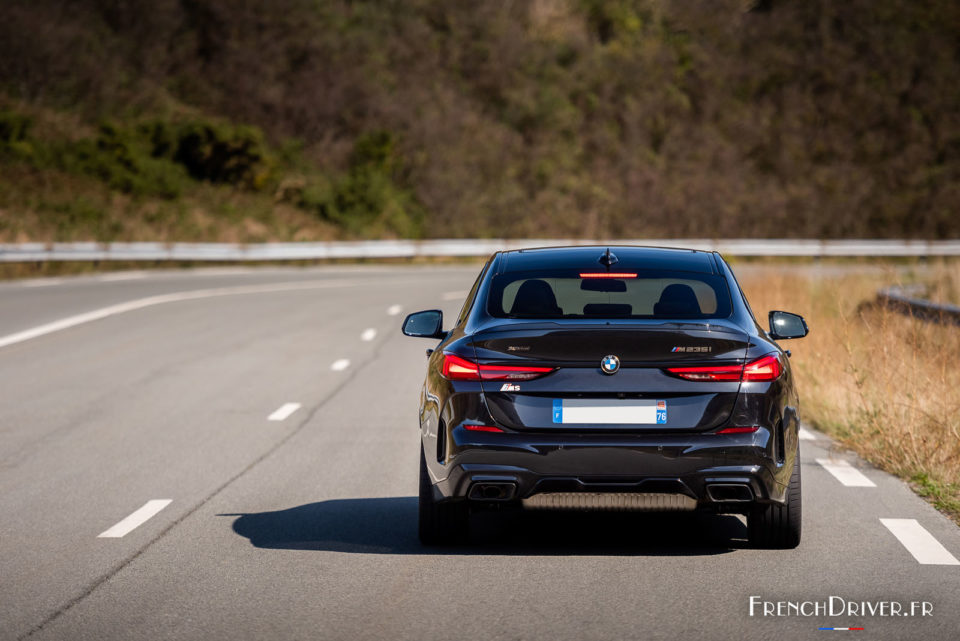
x=643, y=294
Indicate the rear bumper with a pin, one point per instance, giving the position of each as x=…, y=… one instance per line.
x=566, y=470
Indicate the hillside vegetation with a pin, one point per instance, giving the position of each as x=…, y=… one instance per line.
x=308, y=119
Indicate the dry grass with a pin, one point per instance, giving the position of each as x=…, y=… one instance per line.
x=885, y=385
x=944, y=284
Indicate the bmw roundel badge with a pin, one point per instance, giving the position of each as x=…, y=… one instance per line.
x=610, y=364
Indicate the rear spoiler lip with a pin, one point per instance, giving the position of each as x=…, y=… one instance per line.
x=508, y=325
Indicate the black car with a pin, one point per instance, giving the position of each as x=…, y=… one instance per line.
x=609, y=378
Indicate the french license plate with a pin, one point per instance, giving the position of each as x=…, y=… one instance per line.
x=609, y=411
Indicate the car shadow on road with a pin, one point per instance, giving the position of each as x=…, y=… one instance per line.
x=389, y=526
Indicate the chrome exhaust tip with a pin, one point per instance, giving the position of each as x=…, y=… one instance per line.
x=729, y=493
x=487, y=491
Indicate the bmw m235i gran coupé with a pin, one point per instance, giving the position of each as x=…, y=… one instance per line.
x=609, y=378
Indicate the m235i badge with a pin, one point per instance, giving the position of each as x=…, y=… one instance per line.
x=697, y=349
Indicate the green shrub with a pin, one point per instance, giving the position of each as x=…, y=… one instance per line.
x=234, y=155
x=123, y=160
x=14, y=135
x=155, y=158
x=215, y=152
x=368, y=200
x=14, y=127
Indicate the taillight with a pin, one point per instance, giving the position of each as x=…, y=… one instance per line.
x=456, y=368
x=763, y=369
x=459, y=369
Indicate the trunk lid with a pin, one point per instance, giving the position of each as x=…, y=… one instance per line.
x=578, y=395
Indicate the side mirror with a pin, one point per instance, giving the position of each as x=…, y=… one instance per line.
x=787, y=325
x=428, y=324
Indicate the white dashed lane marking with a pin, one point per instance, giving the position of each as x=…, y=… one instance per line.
x=284, y=411
x=135, y=520
x=453, y=295
x=806, y=435
x=926, y=549
x=393, y=310
x=368, y=334
x=846, y=473
x=340, y=364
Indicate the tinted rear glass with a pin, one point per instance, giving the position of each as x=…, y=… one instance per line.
x=564, y=294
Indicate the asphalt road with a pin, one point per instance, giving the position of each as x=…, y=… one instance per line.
x=303, y=527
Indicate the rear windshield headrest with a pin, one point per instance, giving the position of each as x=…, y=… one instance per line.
x=535, y=298
x=677, y=300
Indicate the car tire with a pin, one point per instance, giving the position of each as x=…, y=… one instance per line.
x=440, y=523
x=778, y=526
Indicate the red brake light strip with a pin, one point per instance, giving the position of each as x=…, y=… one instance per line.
x=457, y=368
x=764, y=369
x=714, y=373
x=608, y=275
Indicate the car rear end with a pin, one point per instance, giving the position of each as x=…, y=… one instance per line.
x=640, y=384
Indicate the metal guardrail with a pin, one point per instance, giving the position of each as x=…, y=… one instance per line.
x=235, y=252
x=905, y=301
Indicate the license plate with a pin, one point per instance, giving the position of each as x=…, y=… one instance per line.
x=609, y=411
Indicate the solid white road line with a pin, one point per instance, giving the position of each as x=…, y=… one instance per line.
x=140, y=303
x=217, y=271
x=283, y=411
x=806, y=435
x=921, y=544
x=107, y=278
x=368, y=334
x=138, y=518
x=453, y=295
x=846, y=473
x=340, y=364
x=393, y=310
x=41, y=282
